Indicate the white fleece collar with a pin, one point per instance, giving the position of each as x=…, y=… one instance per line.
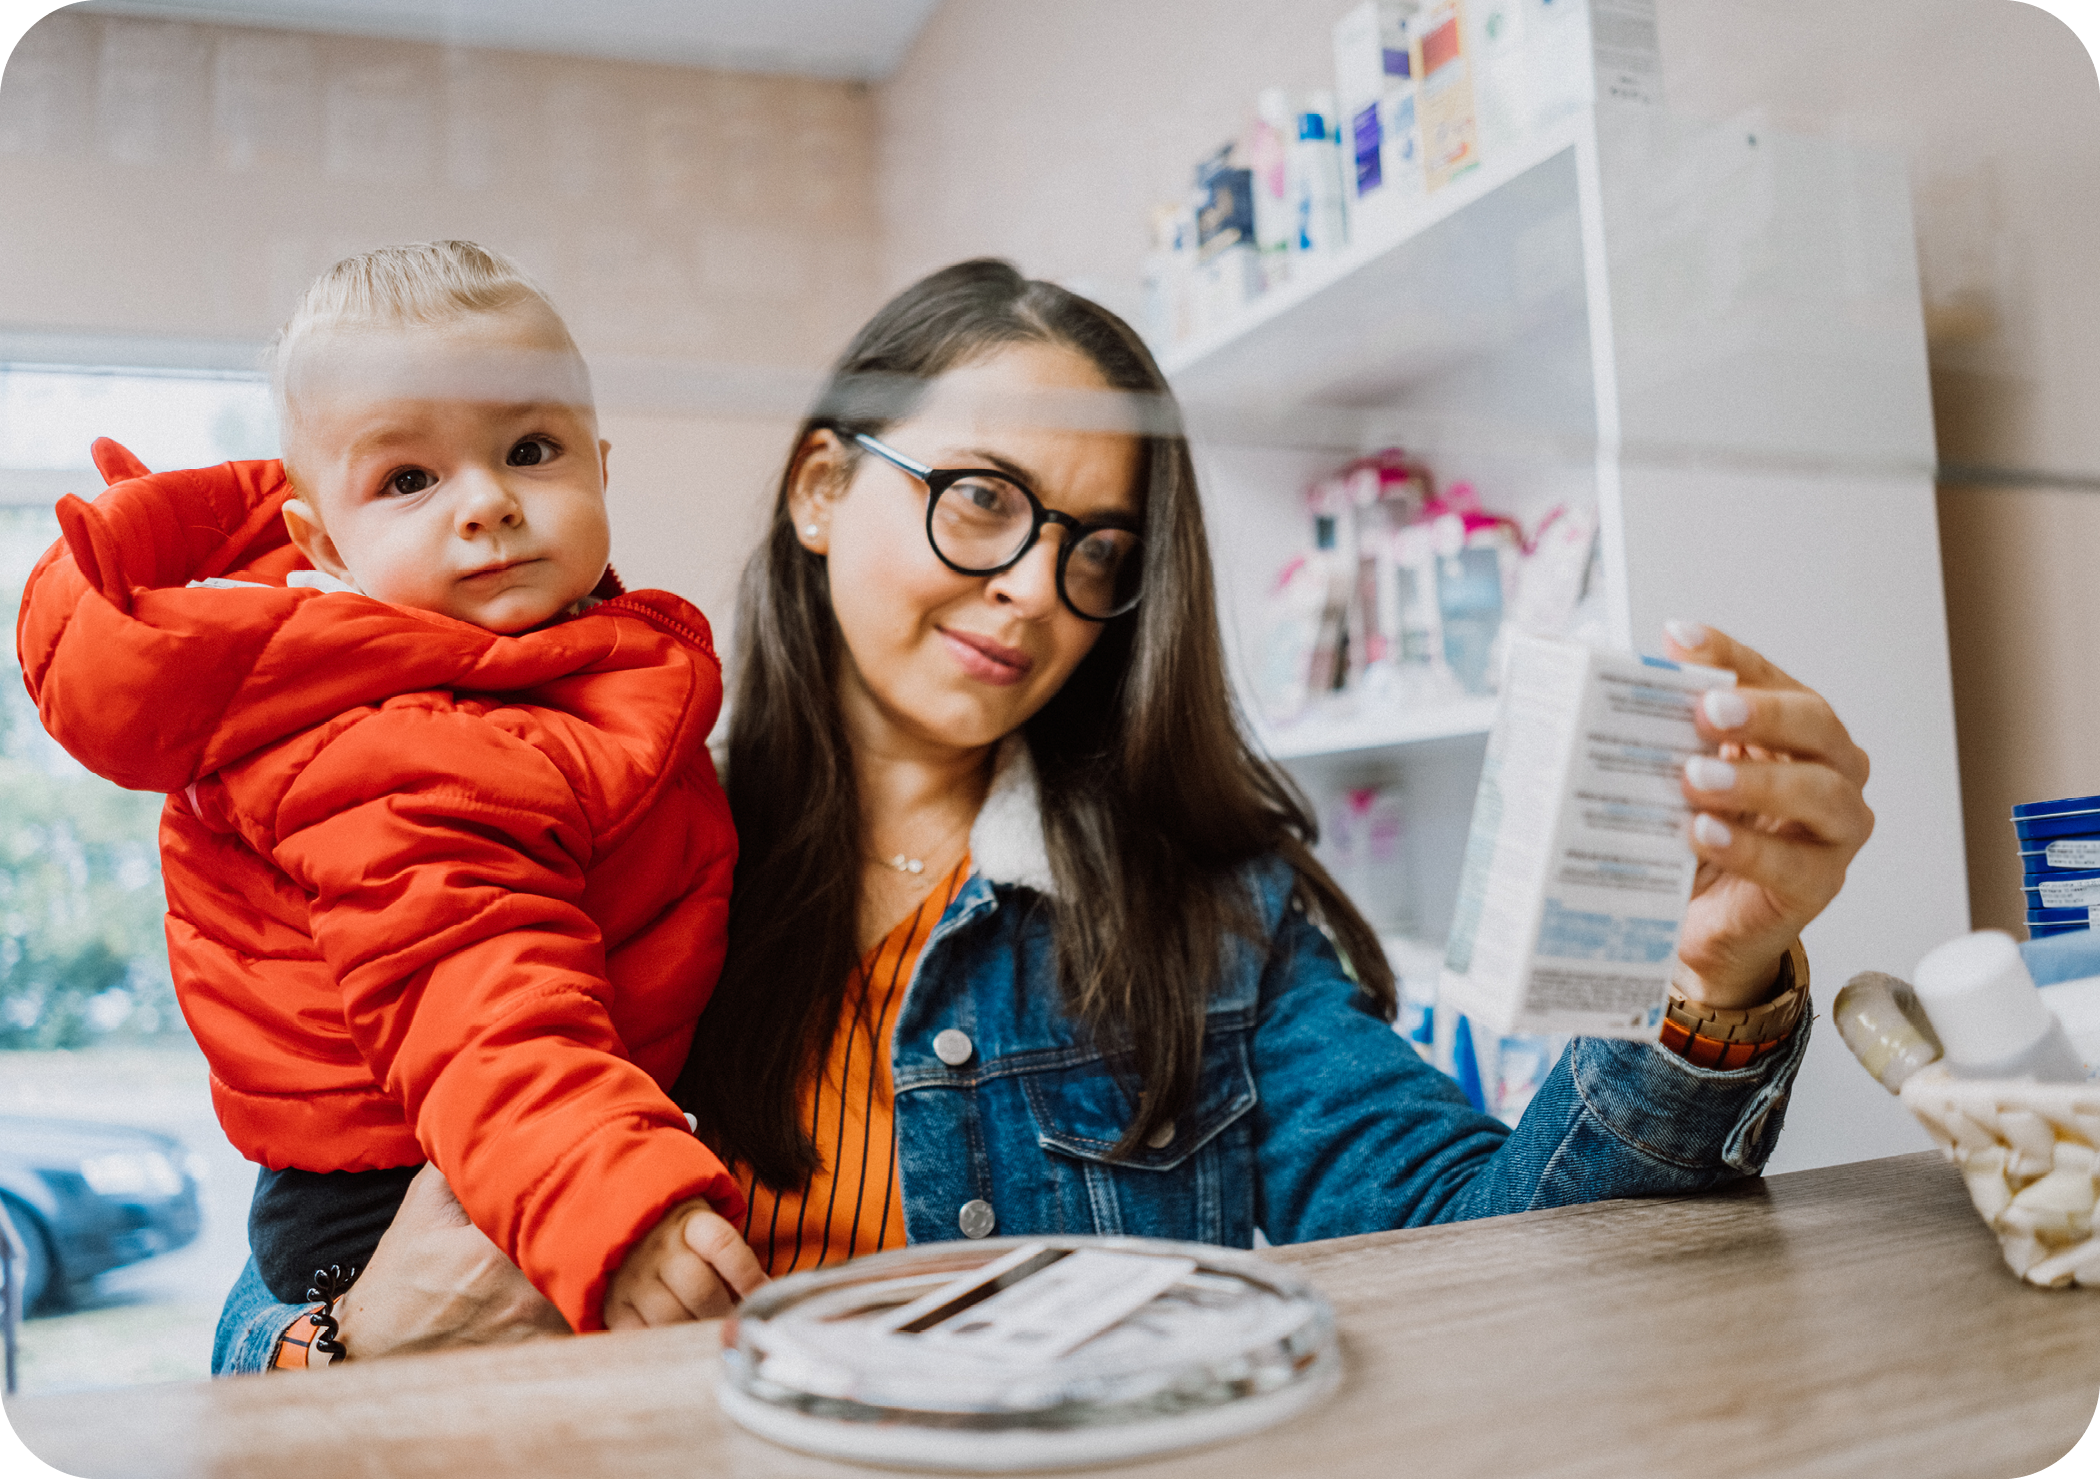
x=1006, y=840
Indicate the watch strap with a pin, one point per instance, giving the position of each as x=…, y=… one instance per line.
x=1735, y=1037
x=295, y=1348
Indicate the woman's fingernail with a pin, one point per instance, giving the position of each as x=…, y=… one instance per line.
x=1708, y=774
x=1711, y=830
x=1726, y=709
x=1686, y=634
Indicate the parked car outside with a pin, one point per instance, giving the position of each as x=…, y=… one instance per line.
x=88, y=1197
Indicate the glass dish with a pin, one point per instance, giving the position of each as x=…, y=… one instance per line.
x=1230, y=1347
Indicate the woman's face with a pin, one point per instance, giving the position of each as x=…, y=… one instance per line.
x=934, y=657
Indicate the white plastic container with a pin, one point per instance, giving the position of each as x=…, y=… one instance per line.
x=2077, y=1006
x=1319, y=213
x=1989, y=1016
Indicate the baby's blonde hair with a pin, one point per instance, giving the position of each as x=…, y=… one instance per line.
x=423, y=282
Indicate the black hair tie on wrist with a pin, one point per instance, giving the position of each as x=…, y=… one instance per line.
x=330, y=1284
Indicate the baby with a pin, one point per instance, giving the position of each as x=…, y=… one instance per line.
x=446, y=859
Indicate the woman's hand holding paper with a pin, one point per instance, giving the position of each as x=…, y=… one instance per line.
x=1777, y=818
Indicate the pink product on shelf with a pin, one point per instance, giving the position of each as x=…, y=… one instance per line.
x=1475, y=572
x=1555, y=567
x=1402, y=599
x=1464, y=501
x=1370, y=500
x=1301, y=637
x=1365, y=841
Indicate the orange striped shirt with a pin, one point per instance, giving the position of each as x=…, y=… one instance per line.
x=852, y=1205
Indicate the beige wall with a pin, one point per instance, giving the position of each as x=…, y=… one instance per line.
x=1093, y=110
x=2006, y=187
x=178, y=180
x=1046, y=133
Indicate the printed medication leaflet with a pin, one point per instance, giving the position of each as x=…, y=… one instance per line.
x=1577, y=873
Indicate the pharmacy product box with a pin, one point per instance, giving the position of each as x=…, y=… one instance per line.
x=2079, y=890
x=1444, y=94
x=2046, y=931
x=2062, y=855
x=2045, y=830
x=2070, y=816
x=2066, y=915
x=1577, y=870
x=1375, y=92
x=2028, y=809
x=1627, y=51
x=1502, y=84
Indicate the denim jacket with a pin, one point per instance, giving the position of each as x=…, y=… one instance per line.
x=1312, y=1117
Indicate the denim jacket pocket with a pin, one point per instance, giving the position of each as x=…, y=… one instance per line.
x=1081, y=1110
x=1196, y=1181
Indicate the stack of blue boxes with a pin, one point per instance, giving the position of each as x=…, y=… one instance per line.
x=2060, y=856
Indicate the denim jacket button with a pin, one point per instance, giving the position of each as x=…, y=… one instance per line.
x=977, y=1219
x=953, y=1047
x=1162, y=1137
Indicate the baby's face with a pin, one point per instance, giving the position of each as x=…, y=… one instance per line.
x=453, y=468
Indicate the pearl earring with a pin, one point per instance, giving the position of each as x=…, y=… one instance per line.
x=810, y=530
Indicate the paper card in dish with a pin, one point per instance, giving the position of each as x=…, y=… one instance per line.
x=1036, y=1303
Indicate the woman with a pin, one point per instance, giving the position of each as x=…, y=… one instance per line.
x=980, y=691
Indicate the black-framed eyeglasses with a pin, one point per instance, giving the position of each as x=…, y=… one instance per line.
x=981, y=521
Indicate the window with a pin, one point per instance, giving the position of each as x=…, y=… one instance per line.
x=89, y=1028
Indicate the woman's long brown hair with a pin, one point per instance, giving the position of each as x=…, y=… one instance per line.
x=1151, y=797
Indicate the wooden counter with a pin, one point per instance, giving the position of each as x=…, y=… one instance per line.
x=1849, y=1321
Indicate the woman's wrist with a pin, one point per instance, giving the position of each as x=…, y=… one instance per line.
x=313, y=1339
x=295, y=1347
x=1733, y=1037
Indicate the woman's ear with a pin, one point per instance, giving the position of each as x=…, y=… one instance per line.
x=815, y=485
x=313, y=542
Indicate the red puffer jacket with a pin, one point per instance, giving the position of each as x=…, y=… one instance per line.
x=433, y=893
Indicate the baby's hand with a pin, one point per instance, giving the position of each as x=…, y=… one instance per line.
x=690, y=1266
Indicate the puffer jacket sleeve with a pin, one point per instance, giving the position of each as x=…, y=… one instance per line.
x=445, y=856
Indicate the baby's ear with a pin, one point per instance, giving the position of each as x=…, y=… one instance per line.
x=312, y=541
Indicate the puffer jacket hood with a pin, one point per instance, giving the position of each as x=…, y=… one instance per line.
x=434, y=892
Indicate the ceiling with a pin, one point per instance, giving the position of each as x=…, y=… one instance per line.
x=862, y=40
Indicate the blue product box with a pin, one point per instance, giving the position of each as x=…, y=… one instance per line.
x=1469, y=598
x=2059, y=916
x=2069, y=889
x=2060, y=855
x=2064, y=824
x=2068, y=960
x=2052, y=808
x=2045, y=931
x=1224, y=204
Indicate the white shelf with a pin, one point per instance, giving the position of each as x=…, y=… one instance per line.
x=1404, y=306
x=1332, y=729
x=1710, y=333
